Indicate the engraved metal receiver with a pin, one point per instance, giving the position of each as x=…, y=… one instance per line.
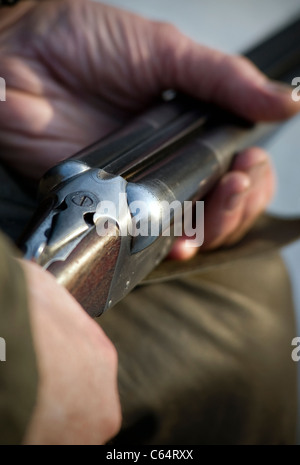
x=175, y=151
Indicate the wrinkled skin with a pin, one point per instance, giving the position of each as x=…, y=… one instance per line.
x=75, y=71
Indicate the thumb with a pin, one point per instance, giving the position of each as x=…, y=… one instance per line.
x=232, y=82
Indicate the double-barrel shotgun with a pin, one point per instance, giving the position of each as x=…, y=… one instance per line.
x=86, y=231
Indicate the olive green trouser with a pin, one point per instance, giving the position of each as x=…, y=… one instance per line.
x=207, y=359
x=203, y=359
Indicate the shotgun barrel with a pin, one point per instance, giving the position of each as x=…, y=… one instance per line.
x=92, y=231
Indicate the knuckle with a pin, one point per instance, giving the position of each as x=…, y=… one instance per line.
x=112, y=354
x=115, y=420
x=169, y=43
x=243, y=64
x=107, y=347
x=166, y=29
x=238, y=60
x=168, y=39
x=111, y=424
x=100, y=342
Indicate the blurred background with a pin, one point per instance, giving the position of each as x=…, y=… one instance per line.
x=234, y=26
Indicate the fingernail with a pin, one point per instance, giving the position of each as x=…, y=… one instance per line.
x=277, y=87
x=235, y=200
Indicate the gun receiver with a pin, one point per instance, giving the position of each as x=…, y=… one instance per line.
x=176, y=151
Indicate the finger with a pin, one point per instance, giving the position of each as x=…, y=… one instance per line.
x=223, y=213
x=224, y=225
x=234, y=204
x=262, y=180
x=232, y=82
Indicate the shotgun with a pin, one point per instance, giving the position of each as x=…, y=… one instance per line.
x=87, y=228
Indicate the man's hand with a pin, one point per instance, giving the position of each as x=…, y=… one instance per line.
x=77, y=394
x=76, y=70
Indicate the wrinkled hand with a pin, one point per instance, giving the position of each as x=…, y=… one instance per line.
x=77, y=395
x=76, y=70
